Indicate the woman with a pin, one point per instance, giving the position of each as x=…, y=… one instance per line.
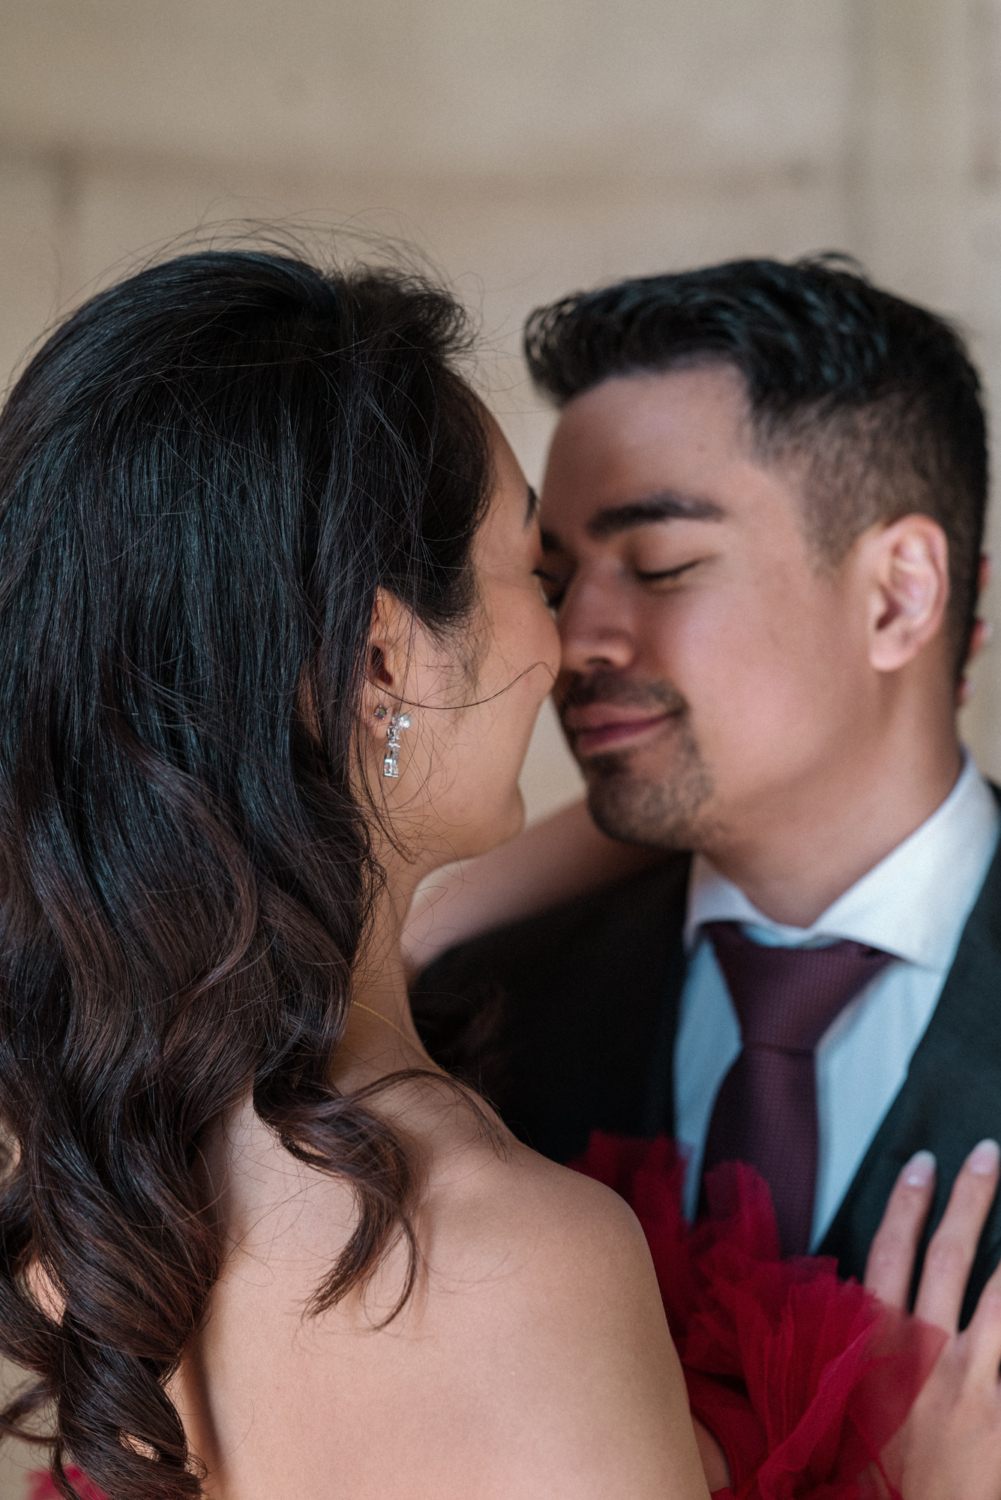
x=271, y=649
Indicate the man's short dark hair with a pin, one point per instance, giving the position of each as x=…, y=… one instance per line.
x=877, y=398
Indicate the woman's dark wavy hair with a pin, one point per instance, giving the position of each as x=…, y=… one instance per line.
x=205, y=475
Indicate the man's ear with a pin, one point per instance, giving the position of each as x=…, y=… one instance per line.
x=908, y=568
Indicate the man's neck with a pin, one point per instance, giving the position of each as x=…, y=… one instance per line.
x=798, y=858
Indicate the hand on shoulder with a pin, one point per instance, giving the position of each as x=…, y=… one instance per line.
x=950, y=1444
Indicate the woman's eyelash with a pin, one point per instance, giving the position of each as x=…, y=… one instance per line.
x=551, y=591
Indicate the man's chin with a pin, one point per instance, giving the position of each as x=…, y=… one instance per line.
x=653, y=812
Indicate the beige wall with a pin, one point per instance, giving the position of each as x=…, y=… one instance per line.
x=530, y=146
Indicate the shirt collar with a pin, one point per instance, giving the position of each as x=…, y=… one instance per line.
x=903, y=905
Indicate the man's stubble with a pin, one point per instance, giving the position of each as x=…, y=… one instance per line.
x=666, y=809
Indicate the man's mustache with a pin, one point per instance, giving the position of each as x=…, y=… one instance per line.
x=624, y=692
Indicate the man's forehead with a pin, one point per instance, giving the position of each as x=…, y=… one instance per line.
x=607, y=521
x=648, y=401
x=644, y=449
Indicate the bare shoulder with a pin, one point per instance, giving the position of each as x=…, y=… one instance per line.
x=555, y=1259
x=531, y=1362
x=550, y=1270
x=549, y=1219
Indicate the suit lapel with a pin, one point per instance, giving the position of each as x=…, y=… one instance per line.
x=950, y=1099
x=608, y=1020
x=567, y=1019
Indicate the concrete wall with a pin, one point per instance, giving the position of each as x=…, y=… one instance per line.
x=530, y=148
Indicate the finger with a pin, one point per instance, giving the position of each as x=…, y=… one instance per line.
x=890, y=1265
x=983, y=1336
x=954, y=1243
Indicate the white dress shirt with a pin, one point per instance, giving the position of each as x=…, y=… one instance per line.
x=913, y=904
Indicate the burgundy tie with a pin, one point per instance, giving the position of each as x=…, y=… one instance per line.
x=766, y=1110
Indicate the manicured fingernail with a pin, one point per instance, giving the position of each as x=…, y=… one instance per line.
x=920, y=1170
x=984, y=1158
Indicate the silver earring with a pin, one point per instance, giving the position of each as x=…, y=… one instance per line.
x=397, y=724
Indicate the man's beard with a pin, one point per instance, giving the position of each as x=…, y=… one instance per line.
x=658, y=812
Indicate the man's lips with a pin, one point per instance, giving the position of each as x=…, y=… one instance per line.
x=600, y=727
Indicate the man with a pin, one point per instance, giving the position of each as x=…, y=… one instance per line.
x=763, y=512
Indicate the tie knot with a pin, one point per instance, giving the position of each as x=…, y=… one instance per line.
x=787, y=997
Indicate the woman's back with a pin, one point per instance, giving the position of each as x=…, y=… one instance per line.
x=532, y=1358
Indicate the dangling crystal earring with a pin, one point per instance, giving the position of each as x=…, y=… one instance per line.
x=397, y=724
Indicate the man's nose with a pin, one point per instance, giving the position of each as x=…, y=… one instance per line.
x=595, y=628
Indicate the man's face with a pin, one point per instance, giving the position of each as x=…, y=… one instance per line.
x=713, y=676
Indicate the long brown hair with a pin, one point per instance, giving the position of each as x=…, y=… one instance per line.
x=205, y=475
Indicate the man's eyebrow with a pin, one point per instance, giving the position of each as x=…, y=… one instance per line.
x=667, y=505
x=532, y=506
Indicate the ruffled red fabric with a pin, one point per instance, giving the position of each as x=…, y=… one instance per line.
x=41, y=1486
x=801, y=1378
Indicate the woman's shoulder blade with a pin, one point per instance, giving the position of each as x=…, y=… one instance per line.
x=556, y=1280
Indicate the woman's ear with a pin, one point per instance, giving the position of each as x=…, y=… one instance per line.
x=908, y=568
x=378, y=671
x=387, y=657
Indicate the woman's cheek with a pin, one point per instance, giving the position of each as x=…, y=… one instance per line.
x=533, y=638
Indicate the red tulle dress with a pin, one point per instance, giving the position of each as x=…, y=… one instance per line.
x=801, y=1378
x=41, y=1487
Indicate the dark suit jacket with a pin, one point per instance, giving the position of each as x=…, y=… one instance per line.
x=567, y=1022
